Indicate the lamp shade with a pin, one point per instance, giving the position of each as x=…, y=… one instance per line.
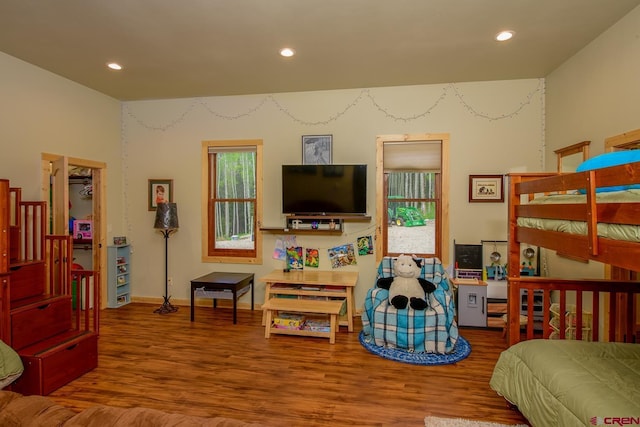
x=166, y=216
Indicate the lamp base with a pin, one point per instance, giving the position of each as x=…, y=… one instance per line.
x=166, y=307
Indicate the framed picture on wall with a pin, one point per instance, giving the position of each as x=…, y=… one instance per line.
x=316, y=149
x=160, y=191
x=486, y=188
x=119, y=240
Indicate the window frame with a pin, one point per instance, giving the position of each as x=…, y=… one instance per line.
x=442, y=231
x=243, y=256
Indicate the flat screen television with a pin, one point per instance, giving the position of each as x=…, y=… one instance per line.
x=324, y=189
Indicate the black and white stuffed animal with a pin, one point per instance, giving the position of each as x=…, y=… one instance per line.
x=406, y=286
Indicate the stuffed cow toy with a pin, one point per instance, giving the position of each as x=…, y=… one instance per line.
x=406, y=287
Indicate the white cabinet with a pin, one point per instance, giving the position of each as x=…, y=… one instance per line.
x=118, y=275
x=472, y=304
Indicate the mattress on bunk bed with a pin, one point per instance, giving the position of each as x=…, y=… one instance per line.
x=630, y=233
x=570, y=383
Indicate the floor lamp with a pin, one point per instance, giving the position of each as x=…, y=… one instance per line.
x=167, y=223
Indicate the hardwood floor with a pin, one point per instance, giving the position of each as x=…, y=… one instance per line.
x=213, y=368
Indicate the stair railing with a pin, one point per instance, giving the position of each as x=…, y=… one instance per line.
x=87, y=306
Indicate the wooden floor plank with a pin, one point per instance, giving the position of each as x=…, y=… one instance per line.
x=212, y=367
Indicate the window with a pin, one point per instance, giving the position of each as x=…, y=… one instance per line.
x=231, y=201
x=412, y=179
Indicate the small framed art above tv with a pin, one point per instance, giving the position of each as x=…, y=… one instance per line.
x=317, y=149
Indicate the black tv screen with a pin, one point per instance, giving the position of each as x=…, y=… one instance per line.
x=324, y=189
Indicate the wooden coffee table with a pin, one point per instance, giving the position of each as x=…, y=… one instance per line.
x=221, y=285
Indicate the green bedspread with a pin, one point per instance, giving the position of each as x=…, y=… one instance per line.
x=10, y=365
x=630, y=233
x=568, y=383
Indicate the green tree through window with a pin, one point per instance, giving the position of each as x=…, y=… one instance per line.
x=232, y=200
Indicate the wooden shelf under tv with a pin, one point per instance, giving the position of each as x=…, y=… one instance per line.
x=323, y=221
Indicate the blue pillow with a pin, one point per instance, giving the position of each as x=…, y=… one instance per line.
x=614, y=158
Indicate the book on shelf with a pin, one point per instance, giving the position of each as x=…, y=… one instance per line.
x=289, y=321
x=317, y=325
x=313, y=297
x=284, y=286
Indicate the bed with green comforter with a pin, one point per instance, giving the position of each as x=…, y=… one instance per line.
x=571, y=383
x=10, y=365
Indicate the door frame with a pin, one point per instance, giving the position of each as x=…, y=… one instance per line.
x=55, y=191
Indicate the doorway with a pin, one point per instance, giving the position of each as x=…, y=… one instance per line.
x=60, y=176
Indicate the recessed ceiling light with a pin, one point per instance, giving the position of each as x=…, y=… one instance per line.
x=114, y=66
x=504, y=35
x=287, y=52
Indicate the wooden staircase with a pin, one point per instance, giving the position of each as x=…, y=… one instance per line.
x=56, y=339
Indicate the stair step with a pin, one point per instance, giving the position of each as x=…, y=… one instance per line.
x=27, y=279
x=54, y=362
x=35, y=302
x=54, y=343
x=39, y=320
x=17, y=264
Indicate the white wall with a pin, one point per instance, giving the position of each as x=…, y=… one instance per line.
x=595, y=94
x=495, y=127
x=592, y=96
x=42, y=112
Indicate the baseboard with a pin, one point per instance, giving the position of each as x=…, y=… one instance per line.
x=199, y=302
x=203, y=302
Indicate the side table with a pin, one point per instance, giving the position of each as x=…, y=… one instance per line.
x=221, y=285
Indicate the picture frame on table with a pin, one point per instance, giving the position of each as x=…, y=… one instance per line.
x=486, y=188
x=317, y=149
x=160, y=191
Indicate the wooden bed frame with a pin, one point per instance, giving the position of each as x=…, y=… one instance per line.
x=612, y=302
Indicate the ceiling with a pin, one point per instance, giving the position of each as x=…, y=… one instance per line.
x=193, y=48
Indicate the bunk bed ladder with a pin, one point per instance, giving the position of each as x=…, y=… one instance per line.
x=56, y=339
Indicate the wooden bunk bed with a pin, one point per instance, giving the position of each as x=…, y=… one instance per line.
x=572, y=379
x=621, y=257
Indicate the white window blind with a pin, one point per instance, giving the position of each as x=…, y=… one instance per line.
x=231, y=149
x=424, y=156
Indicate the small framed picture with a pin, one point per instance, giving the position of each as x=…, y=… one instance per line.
x=486, y=188
x=160, y=191
x=119, y=240
x=316, y=149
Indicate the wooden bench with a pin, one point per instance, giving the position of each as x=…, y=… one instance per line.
x=329, y=307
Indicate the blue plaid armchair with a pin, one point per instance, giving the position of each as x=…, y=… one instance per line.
x=433, y=330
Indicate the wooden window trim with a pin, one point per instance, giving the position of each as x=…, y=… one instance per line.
x=443, y=230
x=230, y=256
